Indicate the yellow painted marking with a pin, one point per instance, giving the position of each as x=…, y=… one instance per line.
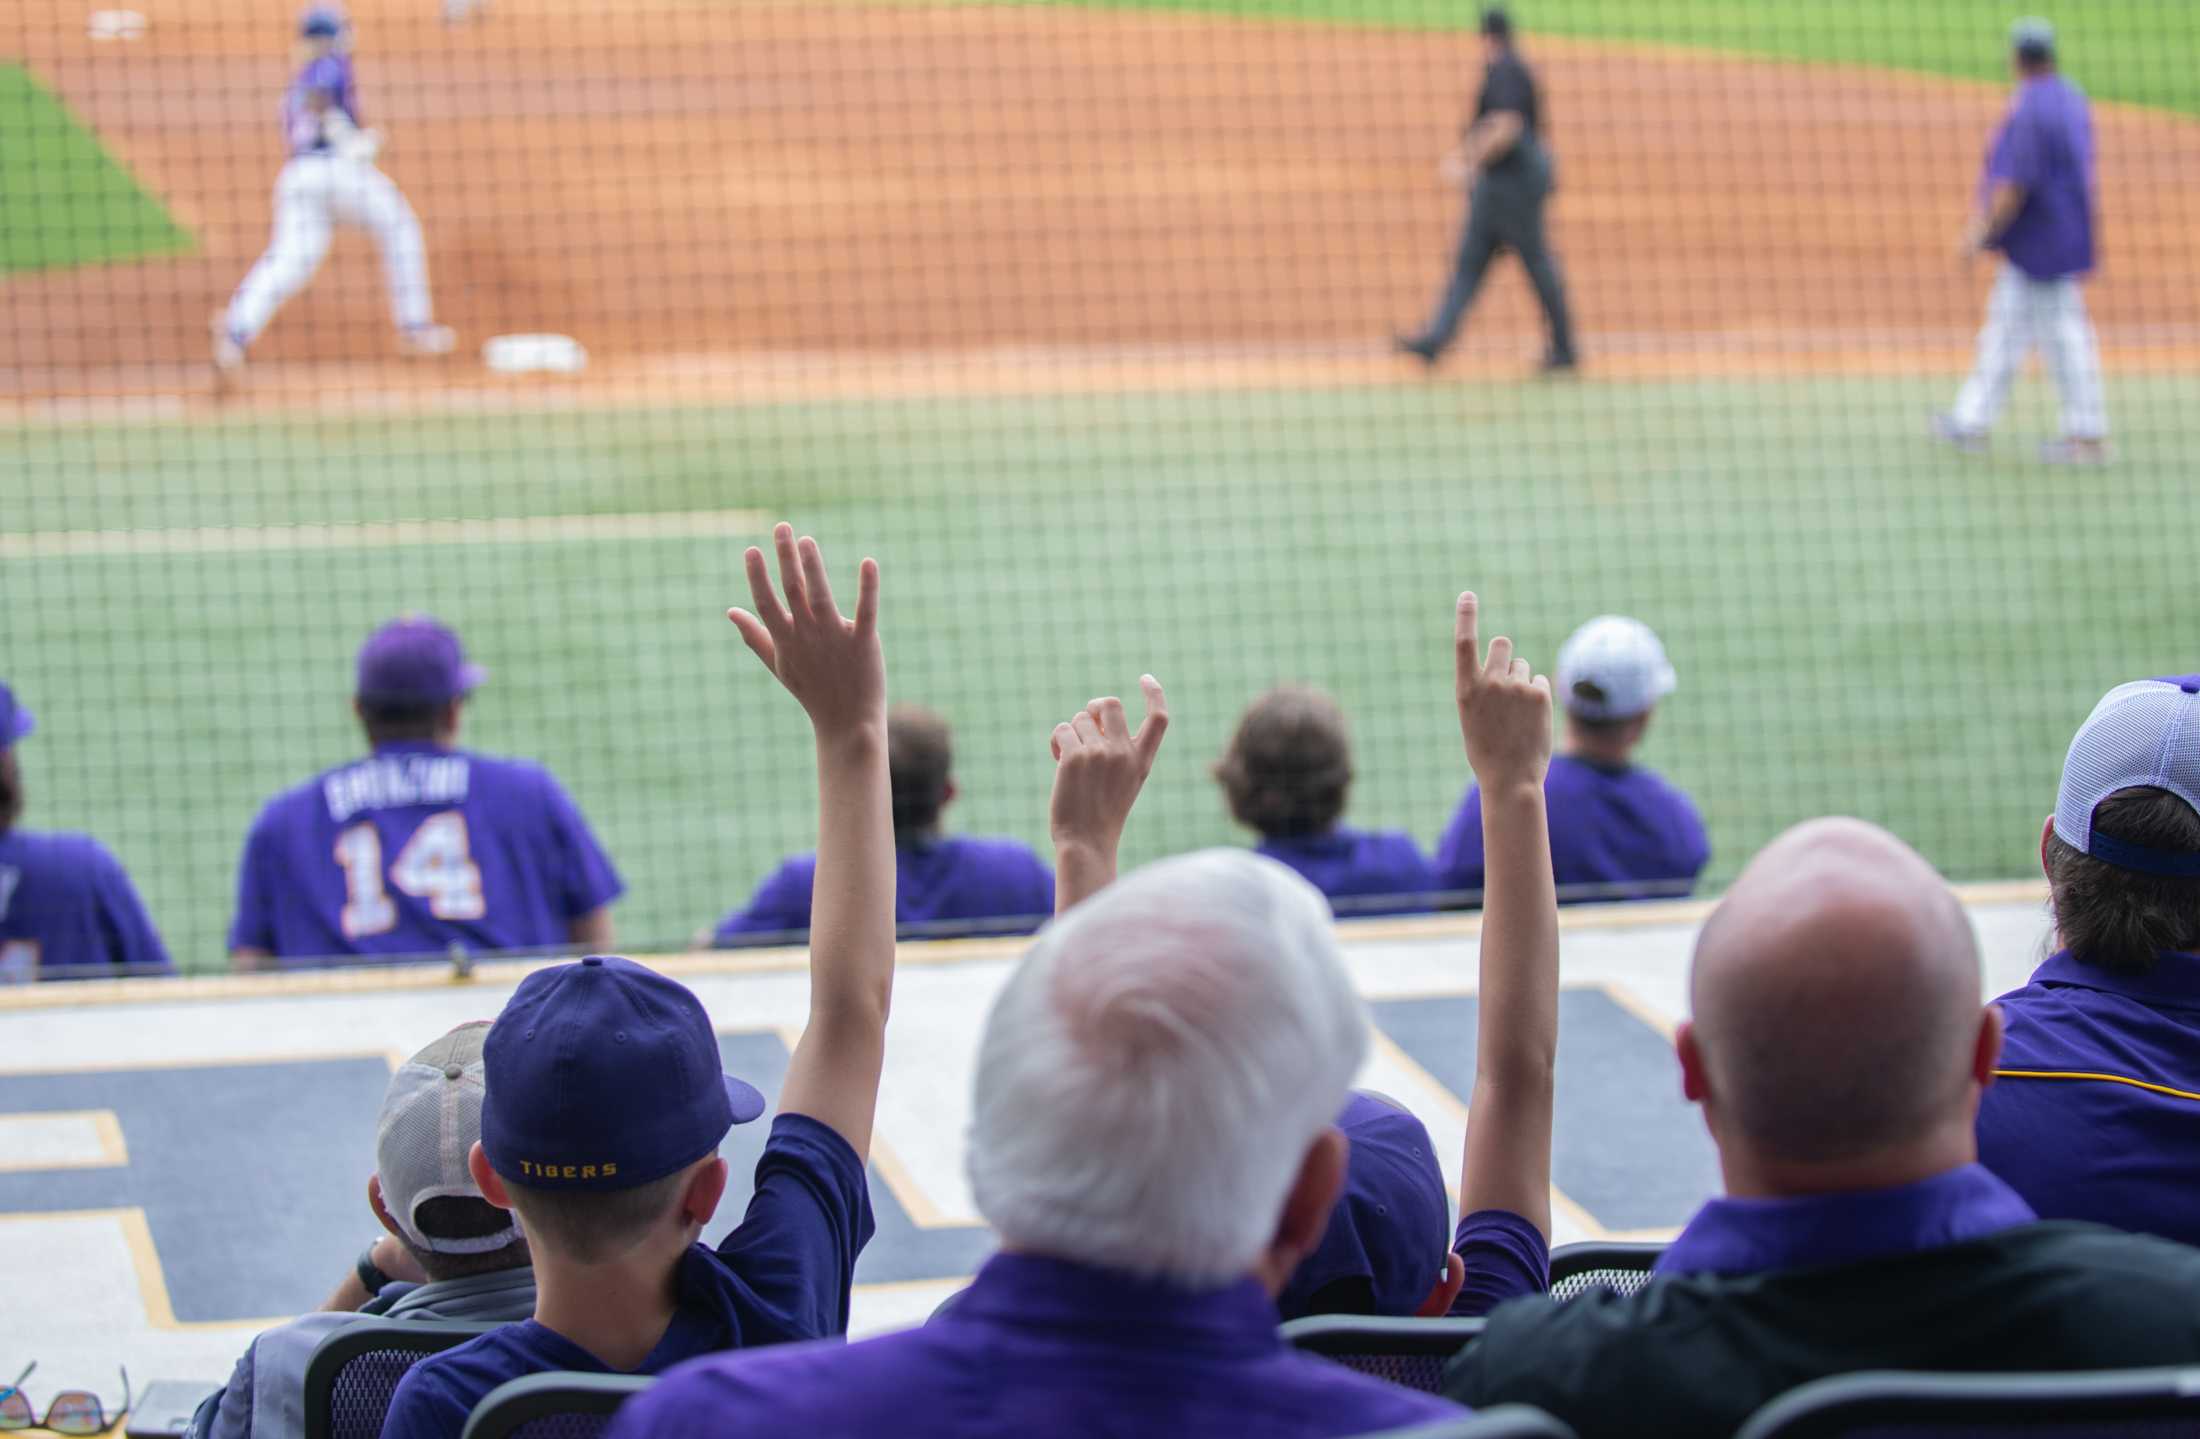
x=2103, y=1078
x=137, y=1238
x=106, y=1130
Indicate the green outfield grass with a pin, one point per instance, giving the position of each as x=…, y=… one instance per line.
x=63, y=199
x=2134, y=50
x=1861, y=623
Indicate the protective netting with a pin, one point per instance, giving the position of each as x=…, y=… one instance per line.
x=1079, y=317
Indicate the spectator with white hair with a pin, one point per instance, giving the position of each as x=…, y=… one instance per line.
x=1838, y=1049
x=1153, y=1139
x=1619, y=830
x=2097, y=1112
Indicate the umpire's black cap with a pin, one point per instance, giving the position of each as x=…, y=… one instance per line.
x=1497, y=24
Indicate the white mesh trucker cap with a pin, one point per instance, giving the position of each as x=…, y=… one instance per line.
x=431, y=1117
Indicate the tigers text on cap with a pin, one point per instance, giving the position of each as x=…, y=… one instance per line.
x=1612, y=668
x=431, y=1117
x=605, y=1075
x=15, y=721
x=2146, y=733
x=1392, y=1224
x=415, y=660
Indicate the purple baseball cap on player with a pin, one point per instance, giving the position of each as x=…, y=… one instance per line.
x=604, y=1075
x=415, y=660
x=2142, y=734
x=15, y=721
x=1392, y=1225
x=321, y=22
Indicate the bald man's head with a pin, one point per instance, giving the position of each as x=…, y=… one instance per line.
x=1835, y=994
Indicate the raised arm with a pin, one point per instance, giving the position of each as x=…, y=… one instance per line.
x=834, y=667
x=1099, y=768
x=1505, y=716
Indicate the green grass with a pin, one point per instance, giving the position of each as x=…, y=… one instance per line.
x=63, y=199
x=1861, y=623
x=2141, y=51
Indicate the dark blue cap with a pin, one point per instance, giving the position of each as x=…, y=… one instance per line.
x=322, y=22
x=15, y=721
x=1392, y=1225
x=604, y=1075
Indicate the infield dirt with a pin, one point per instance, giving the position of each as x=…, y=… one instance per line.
x=770, y=199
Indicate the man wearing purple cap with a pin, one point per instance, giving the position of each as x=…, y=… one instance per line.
x=606, y=1103
x=67, y=908
x=420, y=847
x=2096, y=1114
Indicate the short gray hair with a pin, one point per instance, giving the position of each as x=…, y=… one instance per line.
x=1151, y=1078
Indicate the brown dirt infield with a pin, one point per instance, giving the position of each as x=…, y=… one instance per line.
x=735, y=200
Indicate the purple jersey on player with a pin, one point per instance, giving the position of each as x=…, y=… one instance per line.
x=68, y=911
x=414, y=849
x=2045, y=145
x=1616, y=833
x=955, y=880
x=328, y=75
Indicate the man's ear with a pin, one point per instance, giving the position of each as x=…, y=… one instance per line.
x=2047, y=832
x=1695, y=1082
x=948, y=792
x=699, y=1201
x=1305, y=1216
x=487, y=1180
x=1438, y=1303
x=1986, y=1052
x=381, y=1209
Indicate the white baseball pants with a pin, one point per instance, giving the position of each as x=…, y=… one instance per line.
x=2023, y=312
x=314, y=194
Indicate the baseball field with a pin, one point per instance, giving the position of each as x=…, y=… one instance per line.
x=1076, y=316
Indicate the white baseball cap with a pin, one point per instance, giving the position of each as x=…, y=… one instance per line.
x=431, y=1117
x=1612, y=668
x=2146, y=733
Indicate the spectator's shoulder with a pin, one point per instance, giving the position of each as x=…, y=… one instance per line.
x=999, y=849
x=1535, y=1351
x=824, y=1385
x=428, y=1402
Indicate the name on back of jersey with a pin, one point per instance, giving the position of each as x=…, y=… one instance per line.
x=394, y=781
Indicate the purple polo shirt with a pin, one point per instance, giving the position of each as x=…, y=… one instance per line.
x=1041, y=1346
x=1757, y=1236
x=959, y=879
x=1361, y=871
x=2045, y=144
x=1615, y=834
x=69, y=911
x=782, y=1275
x=415, y=849
x=2096, y=1111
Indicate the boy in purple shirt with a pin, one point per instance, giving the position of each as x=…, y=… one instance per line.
x=67, y=909
x=2035, y=205
x=421, y=846
x=1153, y=1135
x=2096, y=1112
x=1618, y=831
x=1286, y=773
x=942, y=881
x=605, y=1105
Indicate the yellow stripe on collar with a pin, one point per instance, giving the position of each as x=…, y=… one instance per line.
x=2104, y=1078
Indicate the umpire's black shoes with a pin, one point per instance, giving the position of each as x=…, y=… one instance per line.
x=1419, y=347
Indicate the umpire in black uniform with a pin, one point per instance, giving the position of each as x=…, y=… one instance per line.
x=1509, y=178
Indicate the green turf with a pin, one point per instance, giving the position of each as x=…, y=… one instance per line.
x=63, y=199
x=2142, y=51
x=1861, y=623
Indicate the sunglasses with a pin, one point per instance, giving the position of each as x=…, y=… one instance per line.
x=73, y=1411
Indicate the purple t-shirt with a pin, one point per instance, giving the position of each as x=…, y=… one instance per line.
x=1041, y=1346
x=414, y=849
x=329, y=75
x=1362, y=871
x=68, y=911
x=2096, y=1111
x=956, y=880
x=783, y=1274
x=2045, y=144
x=1615, y=834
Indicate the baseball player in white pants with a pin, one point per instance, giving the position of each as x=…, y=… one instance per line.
x=330, y=180
x=2035, y=206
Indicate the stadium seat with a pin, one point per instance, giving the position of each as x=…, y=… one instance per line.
x=1597, y=1263
x=553, y=1406
x=353, y=1372
x=2113, y=1404
x=1411, y=1352
x=1506, y=1421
